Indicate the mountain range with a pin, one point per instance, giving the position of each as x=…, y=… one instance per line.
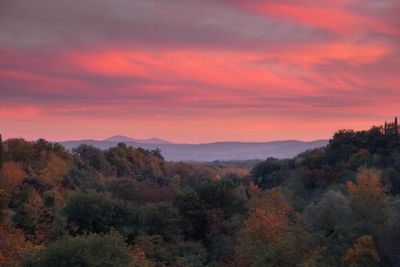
x=121, y=138
x=208, y=151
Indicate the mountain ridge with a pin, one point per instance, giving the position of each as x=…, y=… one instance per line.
x=122, y=138
x=222, y=150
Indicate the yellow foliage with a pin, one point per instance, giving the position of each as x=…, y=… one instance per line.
x=272, y=200
x=367, y=196
x=368, y=184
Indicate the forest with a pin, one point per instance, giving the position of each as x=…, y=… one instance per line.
x=337, y=205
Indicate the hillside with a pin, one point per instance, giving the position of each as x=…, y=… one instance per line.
x=336, y=205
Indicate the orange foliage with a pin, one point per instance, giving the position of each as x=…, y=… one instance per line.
x=271, y=216
x=363, y=253
x=367, y=185
x=266, y=225
x=272, y=200
x=139, y=257
x=137, y=253
x=11, y=176
x=54, y=170
x=272, y=221
x=254, y=189
x=13, y=246
x=41, y=216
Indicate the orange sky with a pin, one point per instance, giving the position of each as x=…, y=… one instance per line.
x=197, y=71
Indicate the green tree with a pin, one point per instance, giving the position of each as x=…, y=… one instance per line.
x=20, y=151
x=266, y=174
x=93, y=250
x=193, y=214
x=220, y=194
x=93, y=157
x=331, y=213
x=124, y=188
x=160, y=219
x=89, y=211
x=84, y=178
x=135, y=163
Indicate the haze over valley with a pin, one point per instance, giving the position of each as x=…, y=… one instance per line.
x=208, y=151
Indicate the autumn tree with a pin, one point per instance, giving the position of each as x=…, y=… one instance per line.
x=273, y=232
x=13, y=246
x=41, y=212
x=367, y=196
x=363, y=253
x=35, y=214
x=10, y=178
x=267, y=220
x=53, y=169
x=43, y=161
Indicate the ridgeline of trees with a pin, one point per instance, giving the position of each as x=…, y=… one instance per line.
x=332, y=206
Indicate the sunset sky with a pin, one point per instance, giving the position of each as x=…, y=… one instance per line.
x=197, y=70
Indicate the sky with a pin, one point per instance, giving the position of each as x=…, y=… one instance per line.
x=197, y=71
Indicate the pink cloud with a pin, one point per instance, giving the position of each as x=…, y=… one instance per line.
x=337, y=17
x=18, y=112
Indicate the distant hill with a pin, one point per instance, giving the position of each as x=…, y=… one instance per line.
x=209, y=151
x=121, y=138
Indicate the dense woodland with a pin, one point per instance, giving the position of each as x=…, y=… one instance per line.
x=333, y=206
